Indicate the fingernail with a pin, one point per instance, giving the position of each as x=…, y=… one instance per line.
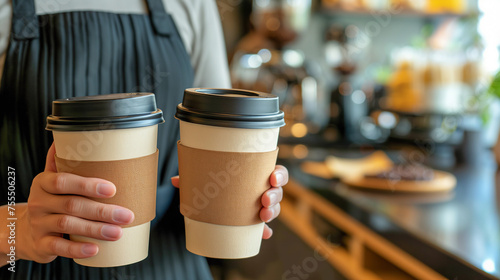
x=105, y=189
x=89, y=250
x=111, y=231
x=273, y=199
x=279, y=178
x=122, y=216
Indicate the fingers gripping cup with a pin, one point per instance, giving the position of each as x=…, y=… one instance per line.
x=112, y=137
x=227, y=152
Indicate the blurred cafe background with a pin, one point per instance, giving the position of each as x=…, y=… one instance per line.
x=391, y=139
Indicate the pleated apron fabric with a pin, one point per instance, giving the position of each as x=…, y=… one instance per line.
x=84, y=53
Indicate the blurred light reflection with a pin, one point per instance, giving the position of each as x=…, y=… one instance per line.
x=489, y=266
x=300, y=151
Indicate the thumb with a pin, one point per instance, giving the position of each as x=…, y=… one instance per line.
x=50, y=163
x=175, y=181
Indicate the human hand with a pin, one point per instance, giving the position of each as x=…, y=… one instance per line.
x=270, y=199
x=58, y=204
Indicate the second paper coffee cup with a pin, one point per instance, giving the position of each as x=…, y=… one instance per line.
x=227, y=152
x=112, y=137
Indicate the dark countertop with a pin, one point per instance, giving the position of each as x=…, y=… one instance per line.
x=456, y=233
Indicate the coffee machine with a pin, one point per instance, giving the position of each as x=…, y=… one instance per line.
x=263, y=61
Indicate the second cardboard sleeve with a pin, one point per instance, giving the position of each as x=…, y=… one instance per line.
x=223, y=188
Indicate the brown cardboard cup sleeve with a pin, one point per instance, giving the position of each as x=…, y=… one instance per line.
x=223, y=188
x=135, y=180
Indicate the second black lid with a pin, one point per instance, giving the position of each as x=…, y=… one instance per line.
x=230, y=108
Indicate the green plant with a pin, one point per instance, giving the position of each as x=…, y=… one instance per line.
x=484, y=98
x=495, y=86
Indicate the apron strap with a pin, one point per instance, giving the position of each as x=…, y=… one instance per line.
x=161, y=21
x=24, y=20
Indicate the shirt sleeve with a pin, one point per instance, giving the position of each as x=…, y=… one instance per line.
x=208, y=53
x=5, y=22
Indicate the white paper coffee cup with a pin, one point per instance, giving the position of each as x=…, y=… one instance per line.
x=237, y=135
x=107, y=140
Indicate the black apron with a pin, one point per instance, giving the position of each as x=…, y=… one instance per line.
x=83, y=53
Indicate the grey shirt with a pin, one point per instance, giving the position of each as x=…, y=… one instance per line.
x=198, y=23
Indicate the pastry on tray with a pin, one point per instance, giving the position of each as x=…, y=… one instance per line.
x=407, y=172
x=378, y=172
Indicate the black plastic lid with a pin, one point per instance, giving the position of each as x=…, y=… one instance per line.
x=230, y=108
x=102, y=112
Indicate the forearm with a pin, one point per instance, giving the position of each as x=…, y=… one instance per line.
x=11, y=232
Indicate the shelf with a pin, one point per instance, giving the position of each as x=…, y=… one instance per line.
x=403, y=13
